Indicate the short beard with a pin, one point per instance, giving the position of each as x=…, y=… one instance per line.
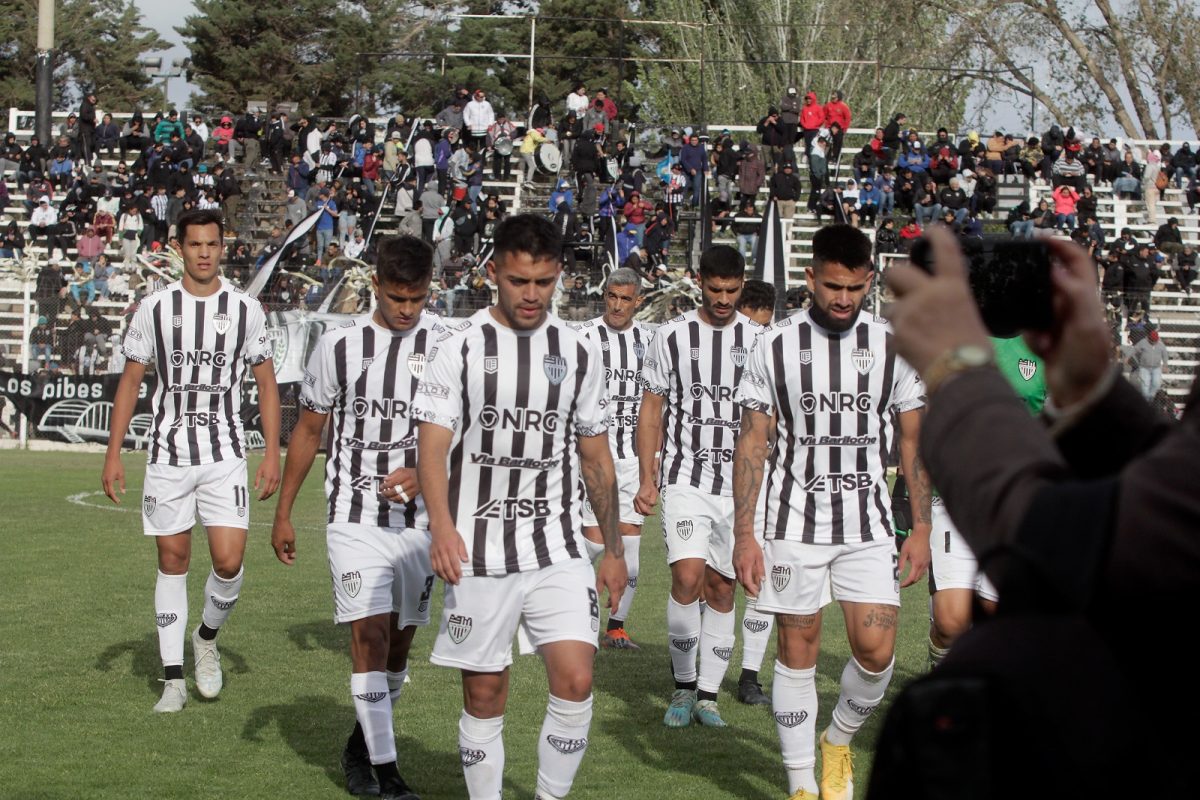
x=831, y=324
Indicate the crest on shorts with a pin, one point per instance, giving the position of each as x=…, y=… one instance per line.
x=459, y=628
x=566, y=746
x=1027, y=367
x=790, y=719
x=694, y=353
x=221, y=323
x=416, y=364
x=149, y=502
x=738, y=356
x=352, y=582
x=556, y=368
x=163, y=620
x=806, y=357
x=723, y=653
x=491, y=364
x=863, y=359
x=177, y=321
x=470, y=757
x=683, y=529
x=781, y=576
x=639, y=349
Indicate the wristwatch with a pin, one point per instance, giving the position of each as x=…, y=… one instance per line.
x=956, y=360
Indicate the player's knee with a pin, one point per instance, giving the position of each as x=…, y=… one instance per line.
x=875, y=658
x=227, y=567
x=718, y=592
x=484, y=700
x=573, y=684
x=369, y=643
x=948, y=626
x=172, y=562
x=686, y=586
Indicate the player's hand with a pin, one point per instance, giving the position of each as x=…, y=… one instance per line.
x=266, y=479
x=447, y=553
x=646, y=499
x=748, y=564
x=612, y=576
x=914, y=554
x=283, y=539
x=400, y=486
x=112, y=479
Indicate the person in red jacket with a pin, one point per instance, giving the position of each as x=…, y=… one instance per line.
x=837, y=111
x=812, y=119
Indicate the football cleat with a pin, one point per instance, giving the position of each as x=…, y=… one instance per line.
x=394, y=788
x=208, y=666
x=679, y=713
x=618, y=640
x=837, y=771
x=174, y=697
x=360, y=778
x=751, y=693
x=705, y=712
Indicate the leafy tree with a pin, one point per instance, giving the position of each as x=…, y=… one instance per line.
x=97, y=45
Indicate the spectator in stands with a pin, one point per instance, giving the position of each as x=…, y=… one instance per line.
x=943, y=165
x=44, y=222
x=914, y=160
x=1183, y=164
x=1185, y=269
x=772, y=136
x=1111, y=163
x=1193, y=195
x=984, y=195
x=130, y=228
x=724, y=164
x=1140, y=275
x=102, y=273
x=570, y=130
x=909, y=234
x=886, y=185
x=1150, y=357
x=325, y=223
x=751, y=172
x=1152, y=177
x=869, y=198
x=81, y=282
x=61, y=171
x=892, y=135
x=577, y=100
x=10, y=156
x=1168, y=238
x=1093, y=159
x=12, y=242
x=165, y=127
x=595, y=119
x=70, y=131
x=349, y=207
x=887, y=240
x=745, y=228
x=785, y=188
x=1065, y=200
x=927, y=209
x=812, y=119
x=837, y=113
x=505, y=130
x=229, y=193
x=694, y=159
x=89, y=247
x=1128, y=185
x=33, y=161
x=431, y=203
x=1069, y=171
x=788, y=120
x=107, y=137
x=134, y=135
x=864, y=163
x=41, y=338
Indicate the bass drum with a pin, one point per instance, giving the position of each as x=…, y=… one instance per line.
x=548, y=158
x=503, y=146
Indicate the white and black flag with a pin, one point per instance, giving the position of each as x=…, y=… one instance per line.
x=268, y=269
x=770, y=260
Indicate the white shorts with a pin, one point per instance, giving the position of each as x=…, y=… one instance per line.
x=798, y=575
x=379, y=571
x=954, y=565
x=696, y=524
x=481, y=615
x=172, y=496
x=629, y=480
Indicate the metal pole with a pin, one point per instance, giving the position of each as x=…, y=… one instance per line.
x=45, y=70
x=25, y=354
x=620, y=63
x=532, y=45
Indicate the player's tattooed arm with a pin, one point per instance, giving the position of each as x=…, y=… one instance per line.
x=600, y=479
x=914, y=553
x=749, y=459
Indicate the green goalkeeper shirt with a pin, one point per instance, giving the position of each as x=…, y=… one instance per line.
x=1025, y=372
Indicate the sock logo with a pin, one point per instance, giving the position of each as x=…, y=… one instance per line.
x=685, y=645
x=352, y=582
x=755, y=625
x=683, y=529
x=861, y=710
x=632, y=582
x=163, y=620
x=459, y=628
x=470, y=757
x=723, y=653
x=781, y=576
x=566, y=746
x=222, y=605
x=790, y=719
x=372, y=697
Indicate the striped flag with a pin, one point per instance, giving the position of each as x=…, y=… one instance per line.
x=770, y=261
x=255, y=287
x=612, y=253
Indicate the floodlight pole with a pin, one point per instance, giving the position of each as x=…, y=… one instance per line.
x=532, y=47
x=44, y=81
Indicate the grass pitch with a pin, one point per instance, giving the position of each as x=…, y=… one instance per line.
x=79, y=672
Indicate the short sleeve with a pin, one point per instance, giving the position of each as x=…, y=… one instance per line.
x=320, y=389
x=908, y=392
x=656, y=377
x=756, y=389
x=591, y=406
x=440, y=393
x=139, y=337
x=258, y=349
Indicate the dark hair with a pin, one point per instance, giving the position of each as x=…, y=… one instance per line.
x=531, y=234
x=722, y=261
x=756, y=295
x=845, y=244
x=403, y=259
x=199, y=218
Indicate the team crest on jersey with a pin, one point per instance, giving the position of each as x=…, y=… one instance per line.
x=639, y=349
x=221, y=323
x=566, y=746
x=459, y=628
x=1027, y=367
x=470, y=757
x=781, y=576
x=556, y=368
x=863, y=359
x=352, y=582
x=149, y=502
x=738, y=356
x=606, y=345
x=491, y=364
x=694, y=353
x=177, y=321
x=806, y=357
x=790, y=719
x=367, y=362
x=416, y=364
x=683, y=529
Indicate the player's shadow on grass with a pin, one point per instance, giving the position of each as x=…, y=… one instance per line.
x=310, y=726
x=146, y=663
x=322, y=634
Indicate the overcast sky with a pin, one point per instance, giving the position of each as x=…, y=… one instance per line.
x=163, y=17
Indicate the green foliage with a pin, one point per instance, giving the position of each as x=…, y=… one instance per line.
x=97, y=44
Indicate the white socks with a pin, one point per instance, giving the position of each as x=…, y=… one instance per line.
x=861, y=694
x=373, y=706
x=561, y=745
x=794, y=703
x=395, y=681
x=594, y=550
x=936, y=654
x=716, y=648
x=170, y=616
x=756, y=634
x=220, y=595
x=683, y=635
x=481, y=749
x=633, y=547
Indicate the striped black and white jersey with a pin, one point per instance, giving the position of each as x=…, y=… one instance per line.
x=201, y=348
x=834, y=397
x=622, y=353
x=365, y=376
x=696, y=368
x=517, y=403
